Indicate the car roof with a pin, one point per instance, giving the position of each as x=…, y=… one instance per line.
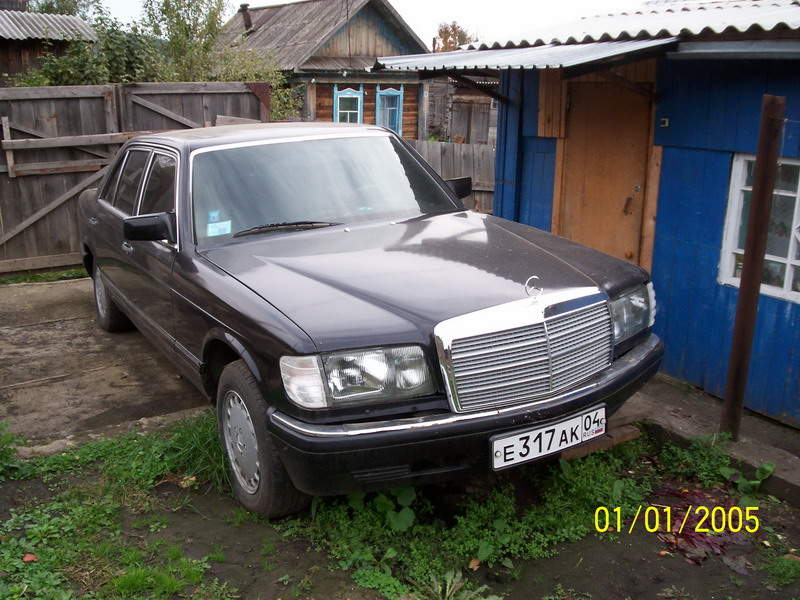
x=202, y=137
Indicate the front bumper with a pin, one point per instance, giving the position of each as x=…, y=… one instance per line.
x=338, y=459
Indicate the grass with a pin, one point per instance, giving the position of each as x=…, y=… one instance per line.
x=44, y=277
x=401, y=543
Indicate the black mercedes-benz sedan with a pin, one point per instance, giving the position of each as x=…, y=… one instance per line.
x=354, y=325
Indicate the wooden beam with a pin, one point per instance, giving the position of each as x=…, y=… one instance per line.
x=638, y=88
x=469, y=83
x=210, y=87
x=60, y=166
x=25, y=223
x=558, y=189
x=650, y=208
x=164, y=112
x=54, y=92
x=228, y=120
x=6, y=139
x=39, y=134
x=40, y=262
x=262, y=91
x=93, y=139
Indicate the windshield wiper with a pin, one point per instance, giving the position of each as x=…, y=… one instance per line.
x=285, y=225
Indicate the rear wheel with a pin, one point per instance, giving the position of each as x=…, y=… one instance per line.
x=258, y=478
x=109, y=316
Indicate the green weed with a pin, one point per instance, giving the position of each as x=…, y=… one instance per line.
x=782, y=570
x=561, y=593
x=215, y=590
x=704, y=460
x=44, y=277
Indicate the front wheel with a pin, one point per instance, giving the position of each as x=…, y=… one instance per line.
x=258, y=478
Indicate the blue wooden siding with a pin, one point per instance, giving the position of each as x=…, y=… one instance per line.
x=713, y=111
x=525, y=162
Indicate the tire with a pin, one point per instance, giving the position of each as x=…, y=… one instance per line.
x=258, y=478
x=109, y=316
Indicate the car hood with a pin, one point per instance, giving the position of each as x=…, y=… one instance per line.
x=388, y=283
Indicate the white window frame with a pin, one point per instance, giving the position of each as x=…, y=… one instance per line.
x=731, y=233
x=348, y=93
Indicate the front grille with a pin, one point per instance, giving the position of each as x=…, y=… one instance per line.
x=531, y=362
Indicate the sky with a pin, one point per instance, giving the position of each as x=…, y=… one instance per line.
x=488, y=20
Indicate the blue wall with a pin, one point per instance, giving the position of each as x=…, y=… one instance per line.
x=713, y=111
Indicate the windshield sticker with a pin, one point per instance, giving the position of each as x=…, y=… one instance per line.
x=220, y=228
x=213, y=216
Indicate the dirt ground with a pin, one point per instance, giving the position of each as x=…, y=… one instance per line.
x=61, y=375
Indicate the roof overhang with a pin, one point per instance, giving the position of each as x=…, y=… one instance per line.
x=738, y=50
x=551, y=56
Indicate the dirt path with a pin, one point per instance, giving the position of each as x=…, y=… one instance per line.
x=61, y=375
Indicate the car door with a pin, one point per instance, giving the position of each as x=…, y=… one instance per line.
x=149, y=283
x=119, y=200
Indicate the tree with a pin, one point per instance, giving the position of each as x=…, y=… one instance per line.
x=451, y=36
x=189, y=29
x=81, y=8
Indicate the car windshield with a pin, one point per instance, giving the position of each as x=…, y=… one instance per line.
x=342, y=180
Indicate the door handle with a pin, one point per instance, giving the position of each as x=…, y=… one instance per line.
x=127, y=247
x=93, y=220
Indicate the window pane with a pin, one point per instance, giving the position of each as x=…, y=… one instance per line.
x=796, y=280
x=348, y=103
x=786, y=179
x=780, y=223
x=389, y=101
x=111, y=182
x=159, y=193
x=773, y=274
x=125, y=199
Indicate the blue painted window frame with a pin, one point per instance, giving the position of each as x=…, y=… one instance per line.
x=348, y=93
x=379, y=99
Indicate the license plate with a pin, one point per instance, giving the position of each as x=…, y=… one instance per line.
x=530, y=444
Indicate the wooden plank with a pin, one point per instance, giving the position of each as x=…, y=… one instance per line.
x=60, y=166
x=164, y=112
x=54, y=92
x=110, y=111
x=211, y=87
x=93, y=139
x=77, y=189
x=9, y=153
x=230, y=120
x=39, y=134
x=558, y=189
x=40, y=262
x=650, y=209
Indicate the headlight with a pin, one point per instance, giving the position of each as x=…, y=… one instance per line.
x=356, y=376
x=633, y=312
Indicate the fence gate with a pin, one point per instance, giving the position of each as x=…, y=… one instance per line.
x=57, y=141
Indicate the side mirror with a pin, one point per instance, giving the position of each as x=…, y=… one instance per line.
x=159, y=226
x=461, y=186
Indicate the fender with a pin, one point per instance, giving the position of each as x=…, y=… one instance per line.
x=230, y=340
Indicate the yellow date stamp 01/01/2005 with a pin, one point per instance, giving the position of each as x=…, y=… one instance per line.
x=658, y=517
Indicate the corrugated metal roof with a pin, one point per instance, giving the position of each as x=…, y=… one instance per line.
x=18, y=25
x=540, y=57
x=666, y=19
x=291, y=33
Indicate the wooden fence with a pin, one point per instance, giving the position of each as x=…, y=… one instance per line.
x=57, y=141
x=461, y=160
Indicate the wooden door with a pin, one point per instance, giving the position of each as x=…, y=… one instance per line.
x=605, y=166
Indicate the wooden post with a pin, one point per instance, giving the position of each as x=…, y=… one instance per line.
x=769, y=140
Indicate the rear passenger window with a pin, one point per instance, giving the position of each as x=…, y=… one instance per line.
x=111, y=183
x=128, y=187
x=159, y=191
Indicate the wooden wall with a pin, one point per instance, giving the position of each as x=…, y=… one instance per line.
x=324, y=93
x=368, y=34
x=18, y=56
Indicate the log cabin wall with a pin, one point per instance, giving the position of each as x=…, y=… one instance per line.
x=324, y=104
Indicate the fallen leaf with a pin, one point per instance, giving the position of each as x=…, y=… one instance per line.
x=474, y=564
x=188, y=482
x=664, y=553
x=737, y=564
x=29, y=558
x=766, y=543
